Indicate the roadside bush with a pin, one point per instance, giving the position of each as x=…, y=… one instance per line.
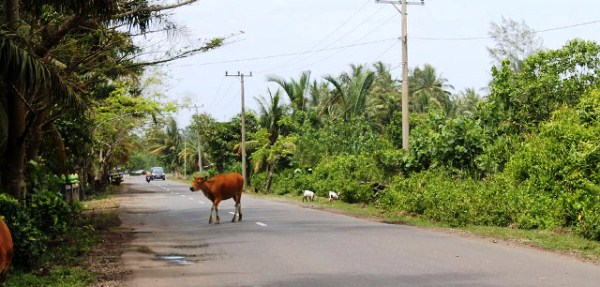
x=589, y=224
x=350, y=175
x=29, y=241
x=448, y=143
x=447, y=198
x=35, y=224
x=394, y=161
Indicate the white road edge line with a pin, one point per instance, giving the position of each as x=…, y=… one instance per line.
x=261, y=224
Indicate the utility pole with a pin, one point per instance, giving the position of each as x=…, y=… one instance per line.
x=405, y=124
x=241, y=75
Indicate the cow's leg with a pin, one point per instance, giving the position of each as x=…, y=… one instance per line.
x=210, y=217
x=216, y=207
x=238, y=210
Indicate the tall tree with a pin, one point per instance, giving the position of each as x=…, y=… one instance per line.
x=429, y=90
x=466, y=102
x=546, y=81
x=297, y=91
x=514, y=41
x=351, y=90
x=385, y=96
x=83, y=45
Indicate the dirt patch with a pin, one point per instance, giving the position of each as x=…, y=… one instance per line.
x=105, y=259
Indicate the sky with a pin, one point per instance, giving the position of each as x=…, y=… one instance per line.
x=284, y=38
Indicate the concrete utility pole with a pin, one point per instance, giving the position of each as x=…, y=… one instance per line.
x=241, y=75
x=405, y=124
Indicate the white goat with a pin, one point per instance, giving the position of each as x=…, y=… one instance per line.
x=333, y=195
x=308, y=195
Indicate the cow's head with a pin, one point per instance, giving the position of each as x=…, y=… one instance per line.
x=197, y=183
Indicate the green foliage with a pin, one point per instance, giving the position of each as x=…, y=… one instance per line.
x=558, y=168
x=448, y=199
x=393, y=161
x=448, y=142
x=335, y=137
x=352, y=176
x=140, y=160
x=546, y=81
x=44, y=218
x=589, y=224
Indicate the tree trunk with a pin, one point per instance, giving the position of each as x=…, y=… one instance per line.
x=269, y=178
x=14, y=169
x=12, y=14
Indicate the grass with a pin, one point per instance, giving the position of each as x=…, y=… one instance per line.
x=558, y=241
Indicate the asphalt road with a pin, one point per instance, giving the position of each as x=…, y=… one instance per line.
x=282, y=244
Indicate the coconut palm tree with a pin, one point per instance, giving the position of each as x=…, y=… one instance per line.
x=271, y=112
x=350, y=91
x=429, y=90
x=466, y=102
x=385, y=97
x=295, y=90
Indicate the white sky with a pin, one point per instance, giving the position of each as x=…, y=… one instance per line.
x=359, y=32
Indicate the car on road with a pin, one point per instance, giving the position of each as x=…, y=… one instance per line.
x=158, y=173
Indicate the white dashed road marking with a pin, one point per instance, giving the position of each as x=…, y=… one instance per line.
x=261, y=224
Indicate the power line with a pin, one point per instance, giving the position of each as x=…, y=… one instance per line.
x=376, y=42
x=337, y=40
x=289, y=54
x=322, y=40
x=488, y=37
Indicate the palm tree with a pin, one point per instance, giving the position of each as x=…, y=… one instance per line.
x=385, y=95
x=270, y=114
x=350, y=91
x=429, y=90
x=166, y=144
x=295, y=90
x=466, y=102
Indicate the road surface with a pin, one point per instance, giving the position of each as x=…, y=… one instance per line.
x=282, y=244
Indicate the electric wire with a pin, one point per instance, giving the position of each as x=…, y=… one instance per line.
x=489, y=37
x=321, y=41
x=337, y=40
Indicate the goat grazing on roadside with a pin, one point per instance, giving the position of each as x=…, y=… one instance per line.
x=333, y=195
x=308, y=195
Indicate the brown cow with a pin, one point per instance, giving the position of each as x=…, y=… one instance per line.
x=221, y=187
x=6, y=251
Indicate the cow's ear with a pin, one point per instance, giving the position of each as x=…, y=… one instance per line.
x=204, y=178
